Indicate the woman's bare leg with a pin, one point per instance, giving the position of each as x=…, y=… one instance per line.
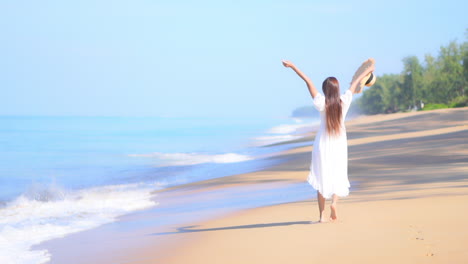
x=321, y=204
x=334, y=210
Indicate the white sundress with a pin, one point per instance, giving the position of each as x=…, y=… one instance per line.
x=329, y=169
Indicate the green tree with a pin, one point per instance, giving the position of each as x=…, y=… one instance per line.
x=451, y=71
x=412, y=90
x=432, y=82
x=464, y=51
x=441, y=82
x=371, y=101
x=391, y=91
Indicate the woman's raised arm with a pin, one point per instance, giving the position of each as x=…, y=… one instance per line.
x=358, y=80
x=313, y=91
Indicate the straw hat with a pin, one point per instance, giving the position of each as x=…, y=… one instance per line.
x=370, y=79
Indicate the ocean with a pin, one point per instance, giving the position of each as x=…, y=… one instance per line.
x=61, y=175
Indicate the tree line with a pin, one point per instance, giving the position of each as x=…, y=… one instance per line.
x=439, y=82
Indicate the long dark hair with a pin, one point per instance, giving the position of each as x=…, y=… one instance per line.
x=331, y=89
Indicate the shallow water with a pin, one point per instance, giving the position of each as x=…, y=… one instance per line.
x=61, y=175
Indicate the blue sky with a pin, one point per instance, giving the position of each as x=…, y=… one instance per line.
x=202, y=58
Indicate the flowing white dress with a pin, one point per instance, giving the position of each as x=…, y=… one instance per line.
x=329, y=168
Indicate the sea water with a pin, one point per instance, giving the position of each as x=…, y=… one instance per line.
x=60, y=175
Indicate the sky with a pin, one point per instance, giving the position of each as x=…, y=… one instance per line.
x=203, y=58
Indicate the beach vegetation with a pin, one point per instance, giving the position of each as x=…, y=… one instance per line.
x=460, y=101
x=437, y=82
x=434, y=106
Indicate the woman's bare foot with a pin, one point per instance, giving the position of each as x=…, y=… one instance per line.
x=334, y=212
x=322, y=219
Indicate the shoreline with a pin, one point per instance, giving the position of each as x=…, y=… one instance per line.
x=53, y=210
x=366, y=135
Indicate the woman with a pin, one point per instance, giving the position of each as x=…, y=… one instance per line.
x=329, y=169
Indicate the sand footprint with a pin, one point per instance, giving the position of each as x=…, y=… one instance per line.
x=417, y=234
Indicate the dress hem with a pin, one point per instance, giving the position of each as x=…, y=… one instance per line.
x=341, y=193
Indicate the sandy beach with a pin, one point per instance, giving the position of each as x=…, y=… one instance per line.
x=408, y=204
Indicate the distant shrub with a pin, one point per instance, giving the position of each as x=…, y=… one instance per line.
x=460, y=101
x=434, y=106
x=306, y=112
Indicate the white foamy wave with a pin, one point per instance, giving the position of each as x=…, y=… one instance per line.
x=286, y=132
x=287, y=129
x=267, y=140
x=179, y=159
x=28, y=221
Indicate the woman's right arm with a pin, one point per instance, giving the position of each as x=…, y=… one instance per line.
x=310, y=85
x=358, y=80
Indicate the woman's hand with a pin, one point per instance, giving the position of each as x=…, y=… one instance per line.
x=369, y=70
x=287, y=64
x=366, y=73
x=359, y=81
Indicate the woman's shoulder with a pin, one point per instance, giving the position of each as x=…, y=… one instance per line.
x=347, y=97
x=319, y=102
